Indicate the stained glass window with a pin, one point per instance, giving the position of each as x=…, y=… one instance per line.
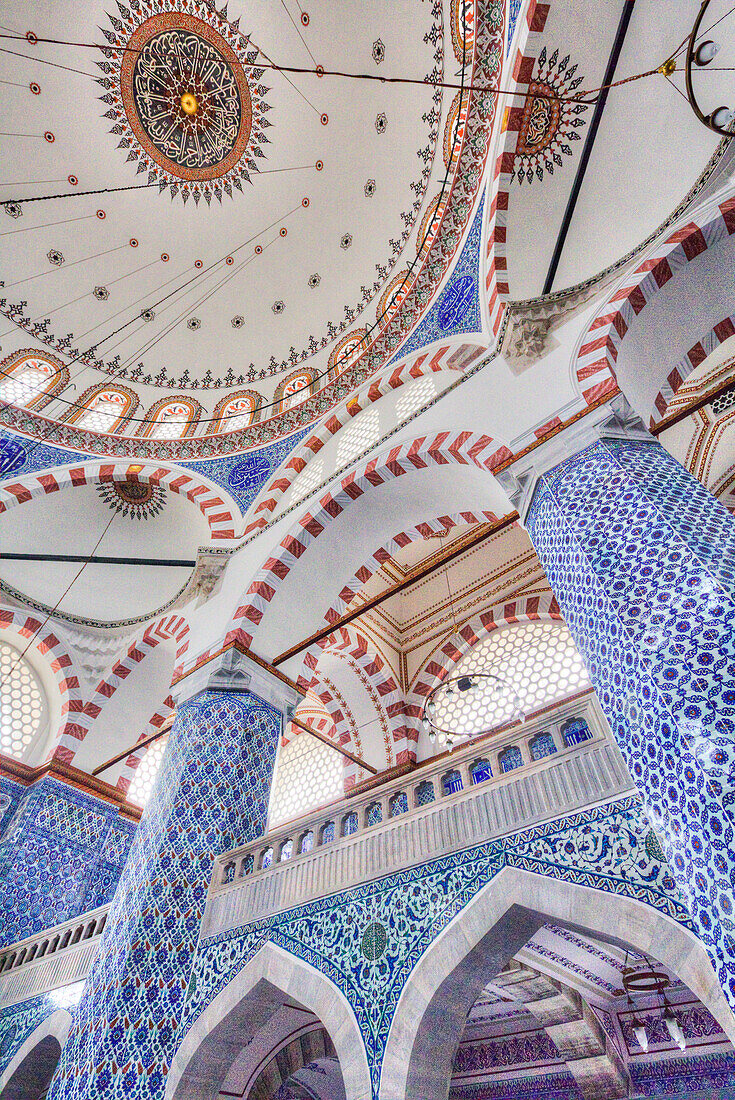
x=349, y=824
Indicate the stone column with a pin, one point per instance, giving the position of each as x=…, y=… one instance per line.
x=642, y=561
x=211, y=795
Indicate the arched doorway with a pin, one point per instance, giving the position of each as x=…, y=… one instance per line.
x=478, y=945
x=32, y=1078
x=262, y=1028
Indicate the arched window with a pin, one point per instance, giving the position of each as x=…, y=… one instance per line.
x=31, y=381
x=346, y=351
x=542, y=745
x=349, y=824
x=538, y=662
x=307, y=842
x=510, y=758
x=23, y=708
x=308, y=774
x=145, y=774
x=327, y=833
x=171, y=419
x=266, y=858
x=236, y=412
x=286, y=850
x=103, y=408
x=294, y=389
x=575, y=731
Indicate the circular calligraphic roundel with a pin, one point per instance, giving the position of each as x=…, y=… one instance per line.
x=374, y=941
x=186, y=96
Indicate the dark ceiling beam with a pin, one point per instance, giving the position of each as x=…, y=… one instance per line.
x=420, y=573
x=146, y=741
x=692, y=407
x=169, y=563
x=333, y=745
x=566, y=222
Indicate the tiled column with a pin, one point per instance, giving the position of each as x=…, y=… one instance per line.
x=642, y=561
x=211, y=795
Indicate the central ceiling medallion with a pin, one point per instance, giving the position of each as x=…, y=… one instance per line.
x=185, y=95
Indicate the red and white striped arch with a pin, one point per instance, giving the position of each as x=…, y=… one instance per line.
x=61, y=663
x=449, y=356
x=173, y=626
x=154, y=723
x=364, y=654
x=689, y=363
x=218, y=514
x=595, y=365
x=463, y=448
x=527, y=51
x=418, y=533
x=439, y=665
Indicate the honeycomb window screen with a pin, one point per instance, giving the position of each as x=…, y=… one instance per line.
x=308, y=774
x=23, y=708
x=145, y=774
x=311, y=476
x=358, y=436
x=538, y=661
x=414, y=396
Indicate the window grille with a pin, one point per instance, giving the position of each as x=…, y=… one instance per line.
x=538, y=661
x=22, y=704
x=308, y=774
x=146, y=772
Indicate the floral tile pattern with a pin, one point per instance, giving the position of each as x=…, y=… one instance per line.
x=642, y=561
x=61, y=855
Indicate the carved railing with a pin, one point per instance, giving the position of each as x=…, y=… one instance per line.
x=435, y=809
x=51, y=959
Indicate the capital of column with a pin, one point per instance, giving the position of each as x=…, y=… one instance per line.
x=236, y=671
x=615, y=420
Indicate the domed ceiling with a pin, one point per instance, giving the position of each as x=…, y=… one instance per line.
x=227, y=220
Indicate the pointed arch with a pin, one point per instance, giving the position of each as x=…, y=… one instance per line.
x=596, y=364
x=295, y=388
x=47, y=1040
x=445, y=448
x=484, y=936
x=245, y=1005
x=217, y=512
